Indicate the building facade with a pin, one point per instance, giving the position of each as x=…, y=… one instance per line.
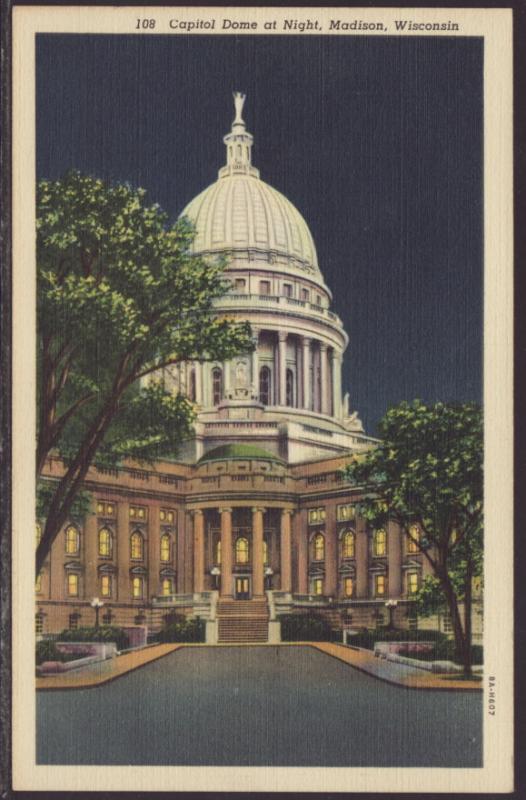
x=255, y=518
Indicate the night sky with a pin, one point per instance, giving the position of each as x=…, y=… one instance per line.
x=376, y=140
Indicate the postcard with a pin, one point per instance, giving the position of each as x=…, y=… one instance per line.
x=262, y=321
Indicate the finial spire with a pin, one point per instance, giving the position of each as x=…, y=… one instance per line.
x=238, y=144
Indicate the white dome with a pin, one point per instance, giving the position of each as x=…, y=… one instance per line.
x=240, y=211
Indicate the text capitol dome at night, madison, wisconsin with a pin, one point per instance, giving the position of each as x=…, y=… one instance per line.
x=254, y=519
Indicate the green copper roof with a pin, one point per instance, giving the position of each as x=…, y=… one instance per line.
x=239, y=451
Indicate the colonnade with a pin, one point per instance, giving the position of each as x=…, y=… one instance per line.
x=257, y=560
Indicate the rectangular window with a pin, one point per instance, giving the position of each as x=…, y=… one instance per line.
x=105, y=509
x=412, y=582
x=317, y=586
x=167, y=587
x=447, y=626
x=264, y=287
x=105, y=585
x=39, y=623
x=73, y=584
x=413, y=539
x=73, y=622
x=166, y=515
x=345, y=512
x=316, y=516
x=240, y=284
x=348, y=586
x=379, y=585
x=137, y=585
x=138, y=512
x=305, y=295
x=287, y=290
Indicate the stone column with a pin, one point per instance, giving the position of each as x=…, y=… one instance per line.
x=199, y=383
x=331, y=553
x=199, y=550
x=255, y=362
x=286, y=550
x=226, y=552
x=362, y=559
x=324, y=382
x=91, y=550
x=302, y=545
x=282, y=364
x=305, y=364
x=336, y=384
x=394, y=554
x=226, y=379
x=154, y=549
x=123, y=552
x=258, y=577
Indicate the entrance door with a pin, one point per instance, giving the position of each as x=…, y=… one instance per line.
x=242, y=589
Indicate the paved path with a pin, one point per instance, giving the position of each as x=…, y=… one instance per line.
x=261, y=706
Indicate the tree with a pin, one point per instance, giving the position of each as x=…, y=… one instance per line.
x=427, y=471
x=121, y=299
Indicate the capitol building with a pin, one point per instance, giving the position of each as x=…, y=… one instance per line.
x=253, y=518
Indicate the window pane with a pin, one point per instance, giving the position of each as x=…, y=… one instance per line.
x=136, y=545
x=104, y=542
x=72, y=540
x=348, y=545
x=242, y=550
x=319, y=547
x=73, y=584
x=165, y=548
x=105, y=585
x=348, y=586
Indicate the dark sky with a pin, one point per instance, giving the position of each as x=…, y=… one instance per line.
x=376, y=140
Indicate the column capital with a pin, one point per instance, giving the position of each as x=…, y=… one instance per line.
x=225, y=510
x=323, y=347
x=290, y=511
x=196, y=511
x=306, y=340
x=255, y=509
x=282, y=336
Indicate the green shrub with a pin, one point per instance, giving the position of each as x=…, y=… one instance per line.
x=46, y=651
x=105, y=633
x=367, y=637
x=189, y=630
x=304, y=627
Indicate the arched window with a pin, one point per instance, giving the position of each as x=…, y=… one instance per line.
x=105, y=542
x=380, y=542
x=136, y=545
x=265, y=551
x=264, y=386
x=348, y=545
x=165, y=547
x=413, y=539
x=72, y=540
x=242, y=550
x=167, y=587
x=218, y=551
x=137, y=584
x=289, y=386
x=217, y=385
x=319, y=547
x=192, y=392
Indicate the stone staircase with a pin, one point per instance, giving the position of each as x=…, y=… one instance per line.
x=242, y=620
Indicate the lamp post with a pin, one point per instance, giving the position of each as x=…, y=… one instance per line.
x=390, y=606
x=215, y=572
x=97, y=605
x=269, y=572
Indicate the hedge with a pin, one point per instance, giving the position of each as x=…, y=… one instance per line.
x=105, y=633
x=190, y=630
x=304, y=627
x=46, y=650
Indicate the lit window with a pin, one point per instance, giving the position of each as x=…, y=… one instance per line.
x=379, y=585
x=73, y=585
x=100, y=508
x=412, y=582
x=72, y=540
x=105, y=585
x=319, y=547
x=264, y=287
x=348, y=587
x=165, y=548
x=218, y=551
x=265, y=551
x=105, y=542
x=137, y=512
x=137, y=584
x=289, y=386
x=345, y=512
x=348, y=545
x=105, y=509
x=39, y=533
x=110, y=509
x=136, y=545
x=413, y=539
x=380, y=542
x=167, y=587
x=38, y=583
x=317, y=586
x=316, y=516
x=264, y=386
x=39, y=623
x=242, y=550
x=217, y=386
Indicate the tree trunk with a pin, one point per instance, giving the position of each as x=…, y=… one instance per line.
x=468, y=661
x=462, y=647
